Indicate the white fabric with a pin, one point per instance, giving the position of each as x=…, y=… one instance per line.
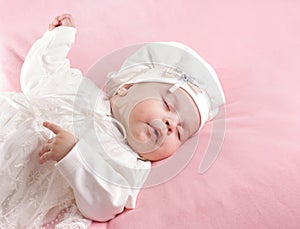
x=177, y=64
x=100, y=183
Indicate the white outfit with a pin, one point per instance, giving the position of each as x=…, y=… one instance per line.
x=99, y=178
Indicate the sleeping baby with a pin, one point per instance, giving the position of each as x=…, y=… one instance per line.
x=71, y=152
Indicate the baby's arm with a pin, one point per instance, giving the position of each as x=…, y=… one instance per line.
x=103, y=186
x=48, y=55
x=97, y=198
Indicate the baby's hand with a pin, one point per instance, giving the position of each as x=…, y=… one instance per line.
x=62, y=20
x=58, y=147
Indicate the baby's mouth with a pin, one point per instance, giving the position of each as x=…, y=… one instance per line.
x=156, y=131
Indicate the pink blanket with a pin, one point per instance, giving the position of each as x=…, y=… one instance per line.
x=254, y=47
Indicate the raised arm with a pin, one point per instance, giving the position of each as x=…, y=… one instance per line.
x=48, y=55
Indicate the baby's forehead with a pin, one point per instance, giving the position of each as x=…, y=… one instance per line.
x=164, y=90
x=155, y=86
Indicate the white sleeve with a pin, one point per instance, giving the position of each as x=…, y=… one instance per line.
x=101, y=190
x=47, y=57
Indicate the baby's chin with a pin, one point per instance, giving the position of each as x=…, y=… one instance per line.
x=147, y=147
x=156, y=155
x=150, y=152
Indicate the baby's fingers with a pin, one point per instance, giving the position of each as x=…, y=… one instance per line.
x=44, y=153
x=45, y=148
x=53, y=127
x=55, y=23
x=66, y=20
x=47, y=156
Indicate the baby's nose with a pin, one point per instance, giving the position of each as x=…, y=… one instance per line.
x=171, y=124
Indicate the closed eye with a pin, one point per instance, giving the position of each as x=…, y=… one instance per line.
x=178, y=134
x=166, y=105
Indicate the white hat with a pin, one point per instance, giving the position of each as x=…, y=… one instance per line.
x=177, y=64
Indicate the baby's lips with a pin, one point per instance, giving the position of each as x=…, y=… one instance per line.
x=161, y=130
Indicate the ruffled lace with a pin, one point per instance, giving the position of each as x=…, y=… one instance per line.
x=32, y=195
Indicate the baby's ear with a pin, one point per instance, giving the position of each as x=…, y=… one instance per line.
x=124, y=89
x=127, y=86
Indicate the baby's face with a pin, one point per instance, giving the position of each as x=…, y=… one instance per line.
x=157, y=121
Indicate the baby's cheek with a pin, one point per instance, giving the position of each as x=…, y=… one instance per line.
x=171, y=145
x=140, y=136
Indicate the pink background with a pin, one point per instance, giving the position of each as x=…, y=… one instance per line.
x=255, y=48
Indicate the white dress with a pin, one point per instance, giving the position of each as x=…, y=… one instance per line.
x=99, y=177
